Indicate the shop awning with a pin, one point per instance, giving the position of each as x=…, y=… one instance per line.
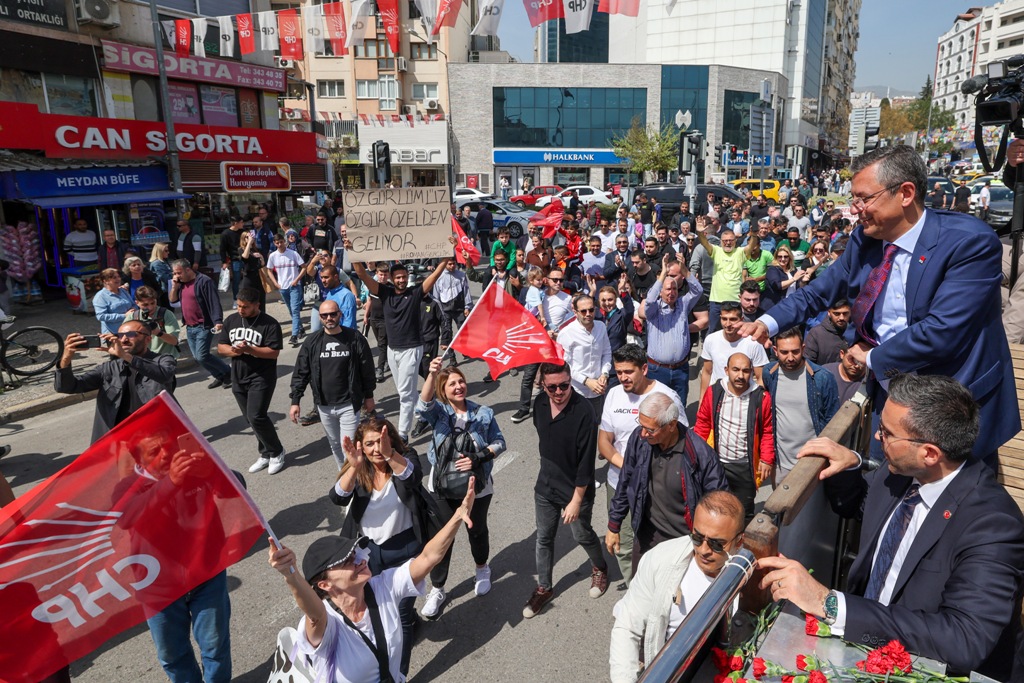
x=114, y=198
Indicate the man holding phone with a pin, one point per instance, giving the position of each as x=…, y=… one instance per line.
x=132, y=376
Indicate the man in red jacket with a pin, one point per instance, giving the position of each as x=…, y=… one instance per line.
x=735, y=417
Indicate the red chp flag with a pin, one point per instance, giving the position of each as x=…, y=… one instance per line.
x=504, y=334
x=182, y=37
x=540, y=11
x=389, y=15
x=290, y=31
x=447, y=14
x=550, y=217
x=629, y=8
x=246, y=37
x=464, y=244
x=335, y=27
x=146, y=514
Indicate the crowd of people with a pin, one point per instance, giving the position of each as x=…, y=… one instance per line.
x=880, y=307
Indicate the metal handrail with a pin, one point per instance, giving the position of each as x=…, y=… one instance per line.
x=681, y=649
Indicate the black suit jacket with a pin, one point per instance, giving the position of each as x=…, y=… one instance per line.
x=958, y=595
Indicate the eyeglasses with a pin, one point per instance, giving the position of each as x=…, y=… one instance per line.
x=647, y=431
x=557, y=279
x=554, y=388
x=886, y=437
x=716, y=544
x=131, y=334
x=330, y=314
x=585, y=311
x=861, y=203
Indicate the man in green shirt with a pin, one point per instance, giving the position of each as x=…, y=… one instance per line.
x=729, y=262
x=758, y=260
x=800, y=247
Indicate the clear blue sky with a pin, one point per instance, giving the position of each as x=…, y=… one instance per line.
x=901, y=34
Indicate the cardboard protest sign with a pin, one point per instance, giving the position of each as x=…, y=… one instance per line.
x=398, y=224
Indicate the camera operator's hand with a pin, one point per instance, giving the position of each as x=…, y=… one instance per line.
x=1015, y=152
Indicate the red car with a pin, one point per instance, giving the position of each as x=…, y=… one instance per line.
x=530, y=198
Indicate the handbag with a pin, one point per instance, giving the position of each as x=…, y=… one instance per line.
x=448, y=481
x=266, y=280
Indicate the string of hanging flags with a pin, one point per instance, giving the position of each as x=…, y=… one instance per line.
x=290, y=32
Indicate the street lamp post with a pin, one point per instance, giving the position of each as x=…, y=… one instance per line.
x=165, y=104
x=448, y=113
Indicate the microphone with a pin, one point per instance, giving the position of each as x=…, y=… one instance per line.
x=974, y=84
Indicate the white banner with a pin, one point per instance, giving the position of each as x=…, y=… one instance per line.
x=357, y=22
x=313, y=16
x=268, y=31
x=428, y=10
x=170, y=32
x=577, y=15
x=227, y=37
x=490, y=15
x=198, y=37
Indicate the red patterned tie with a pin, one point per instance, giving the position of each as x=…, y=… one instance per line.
x=865, y=302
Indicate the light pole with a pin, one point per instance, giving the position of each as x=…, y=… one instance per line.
x=448, y=113
x=165, y=104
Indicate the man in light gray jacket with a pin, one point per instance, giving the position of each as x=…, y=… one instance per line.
x=669, y=581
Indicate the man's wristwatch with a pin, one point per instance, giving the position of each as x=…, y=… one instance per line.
x=831, y=608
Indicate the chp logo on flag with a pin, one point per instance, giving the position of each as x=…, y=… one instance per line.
x=522, y=337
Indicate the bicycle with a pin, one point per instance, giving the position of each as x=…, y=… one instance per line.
x=29, y=351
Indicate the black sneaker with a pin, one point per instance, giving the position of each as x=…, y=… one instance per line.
x=310, y=418
x=380, y=376
x=217, y=382
x=488, y=379
x=294, y=341
x=520, y=415
x=421, y=427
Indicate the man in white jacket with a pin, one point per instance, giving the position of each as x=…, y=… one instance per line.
x=669, y=581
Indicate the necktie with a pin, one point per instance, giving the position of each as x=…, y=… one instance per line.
x=865, y=302
x=890, y=542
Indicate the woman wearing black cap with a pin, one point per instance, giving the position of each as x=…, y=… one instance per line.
x=351, y=626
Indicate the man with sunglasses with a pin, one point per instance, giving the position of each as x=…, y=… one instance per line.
x=567, y=434
x=925, y=292
x=670, y=580
x=588, y=352
x=337, y=363
x=128, y=380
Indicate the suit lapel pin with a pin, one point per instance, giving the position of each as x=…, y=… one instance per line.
x=920, y=259
x=947, y=514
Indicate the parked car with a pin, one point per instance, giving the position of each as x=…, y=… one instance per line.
x=669, y=196
x=585, y=192
x=771, y=188
x=504, y=213
x=530, y=198
x=471, y=192
x=1000, y=209
x=978, y=183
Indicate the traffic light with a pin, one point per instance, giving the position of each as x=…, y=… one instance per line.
x=871, y=139
x=732, y=151
x=382, y=162
x=685, y=158
x=695, y=145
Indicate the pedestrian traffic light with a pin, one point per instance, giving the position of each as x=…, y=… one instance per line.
x=382, y=162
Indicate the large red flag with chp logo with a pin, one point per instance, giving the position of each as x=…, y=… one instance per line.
x=290, y=31
x=464, y=244
x=540, y=11
x=182, y=37
x=550, y=217
x=135, y=522
x=504, y=334
x=629, y=8
x=246, y=37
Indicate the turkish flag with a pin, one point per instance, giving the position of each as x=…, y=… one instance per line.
x=246, y=37
x=550, y=217
x=629, y=8
x=389, y=15
x=464, y=243
x=289, y=31
x=182, y=37
x=505, y=334
x=335, y=27
x=540, y=11
x=447, y=14
x=143, y=516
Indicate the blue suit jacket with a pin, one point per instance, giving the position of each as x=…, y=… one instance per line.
x=954, y=324
x=958, y=595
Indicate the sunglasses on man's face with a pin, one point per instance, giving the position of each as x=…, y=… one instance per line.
x=330, y=314
x=554, y=388
x=716, y=544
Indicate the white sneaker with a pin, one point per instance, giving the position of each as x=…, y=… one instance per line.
x=276, y=464
x=483, y=580
x=260, y=464
x=432, y=607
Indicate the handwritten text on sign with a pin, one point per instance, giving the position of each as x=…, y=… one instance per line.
x=403, y=223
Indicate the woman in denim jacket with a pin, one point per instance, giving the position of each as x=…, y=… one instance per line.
x=452, y=409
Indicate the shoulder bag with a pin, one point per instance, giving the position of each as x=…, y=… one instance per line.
x=448, y=481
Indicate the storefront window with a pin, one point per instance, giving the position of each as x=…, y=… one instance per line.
x=565, y=117
x=623, y=178
x=572, y=176
x=25, y=87
x=184, y=98
x=71, y=95
x=249, y=108
x=684, y=89
x=220, y=105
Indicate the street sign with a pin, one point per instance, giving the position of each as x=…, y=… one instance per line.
x=742, y=158
x=762, y=125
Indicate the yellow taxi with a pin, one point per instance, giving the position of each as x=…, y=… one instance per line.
x=771, y=187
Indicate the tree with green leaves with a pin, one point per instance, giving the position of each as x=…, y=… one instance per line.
x=646, y=148
x=917, y=111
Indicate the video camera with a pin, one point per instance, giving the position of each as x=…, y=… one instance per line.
x=999, y=103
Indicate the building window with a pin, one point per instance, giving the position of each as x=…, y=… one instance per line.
x=388, y=87
x=71, y=95
x=367, y=90
x=378, y=49
x=565, y=117
x=423, y=51
x=423, y=91
x=330, y=88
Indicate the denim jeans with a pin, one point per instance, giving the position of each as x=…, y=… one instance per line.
x=339, y=421
x=714, y=315
x=199, y=340
x=549, y=518
x=206, y=610
x=405, y=364
x=677, y=380
x=292, y=298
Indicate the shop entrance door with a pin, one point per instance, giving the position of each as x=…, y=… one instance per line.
x=428, y=177
x=528, y=173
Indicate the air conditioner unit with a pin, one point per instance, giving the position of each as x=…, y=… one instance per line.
x=104, y=13
x=348, y=141
x=403, y=64
x=295, y=114
x=409, y=109
x=284, y=63
x=430, y=104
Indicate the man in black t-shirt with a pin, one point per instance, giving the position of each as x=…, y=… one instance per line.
x=962, y=198
x=230, y=258
x=253, y=341
x=401, y=305
x=322, y=236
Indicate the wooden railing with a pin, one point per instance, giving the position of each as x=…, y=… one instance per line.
x=1011, y=455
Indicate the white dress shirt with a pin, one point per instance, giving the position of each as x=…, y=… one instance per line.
x=588, y=353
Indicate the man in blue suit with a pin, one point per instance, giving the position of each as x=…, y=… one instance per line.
x=942, y=542
x=925, y=291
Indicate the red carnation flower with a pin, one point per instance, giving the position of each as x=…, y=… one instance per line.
x=817, y=677
x=811, y=627
x=801, y=662
x=759, y=667
x=735, y=663
x=720, y=659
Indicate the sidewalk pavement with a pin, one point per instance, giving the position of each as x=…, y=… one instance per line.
x=35, y=395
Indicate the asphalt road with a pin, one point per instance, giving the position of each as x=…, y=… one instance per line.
x=476, y=638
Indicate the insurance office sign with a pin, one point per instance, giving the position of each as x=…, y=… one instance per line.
x=44, y=13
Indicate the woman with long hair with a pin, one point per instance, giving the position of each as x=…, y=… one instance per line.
x=158, y=263
x=782, y=278
x=445, y=407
